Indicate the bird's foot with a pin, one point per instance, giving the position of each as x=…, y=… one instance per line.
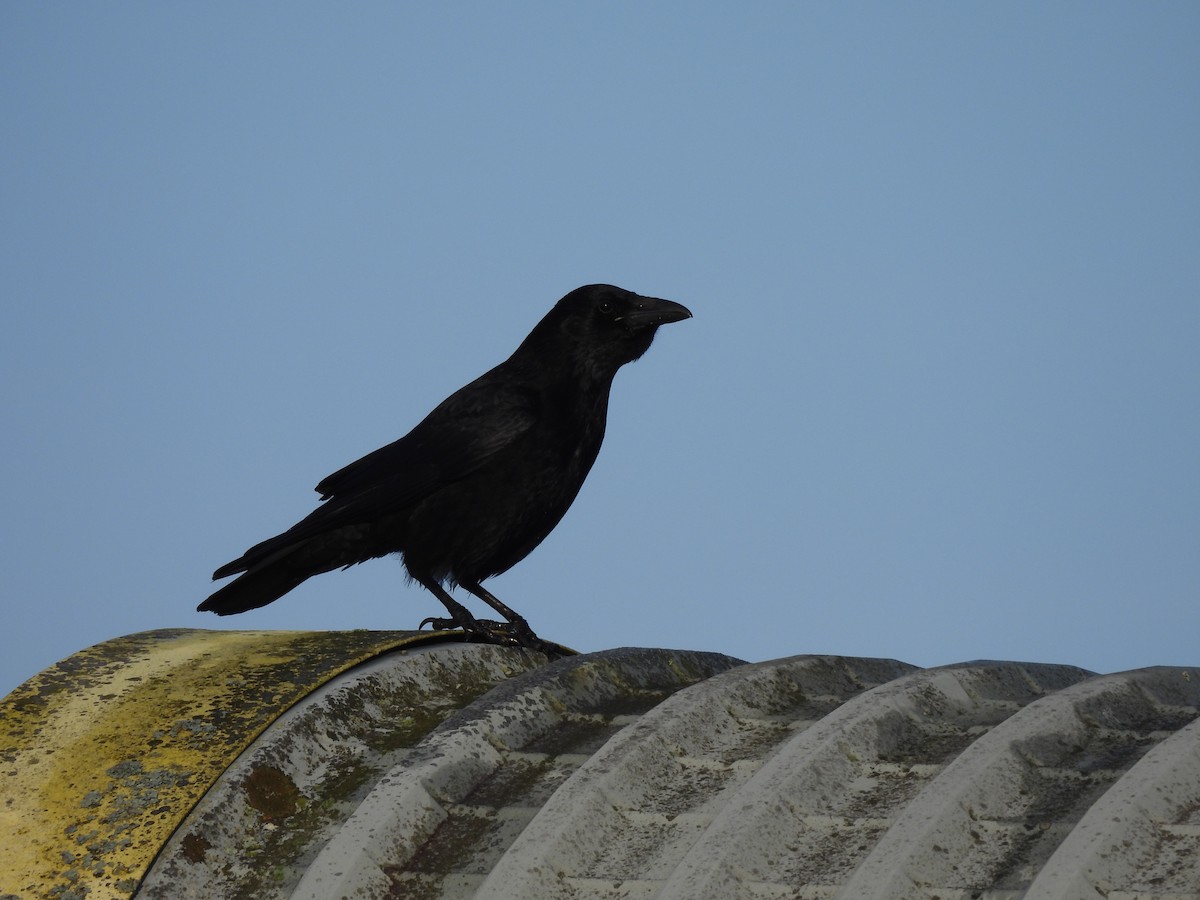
x=509, y=634
x=521, y=635
x=483, y=627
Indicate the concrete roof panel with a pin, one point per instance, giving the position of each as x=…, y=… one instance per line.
x=329, y=766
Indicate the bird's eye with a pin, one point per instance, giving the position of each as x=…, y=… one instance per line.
x=605, y=307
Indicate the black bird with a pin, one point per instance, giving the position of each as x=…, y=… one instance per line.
x=481, y=481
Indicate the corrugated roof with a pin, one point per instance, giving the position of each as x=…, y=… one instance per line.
x=105, y=752
x=677, y=774
x=333, y=762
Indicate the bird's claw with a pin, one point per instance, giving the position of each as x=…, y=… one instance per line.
x=519, y=634
x=475, y=626
x=510, y=634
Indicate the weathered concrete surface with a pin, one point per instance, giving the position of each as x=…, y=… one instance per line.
x=104, y=753
x=461, y=771
x=438, y=822
x=257, y=830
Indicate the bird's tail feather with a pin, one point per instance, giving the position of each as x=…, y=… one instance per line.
x=260, y=555
x=257, y=587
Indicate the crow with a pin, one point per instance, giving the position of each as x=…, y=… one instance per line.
x=480, y=482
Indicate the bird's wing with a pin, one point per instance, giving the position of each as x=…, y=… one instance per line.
x=454, y=440
x=460, y=435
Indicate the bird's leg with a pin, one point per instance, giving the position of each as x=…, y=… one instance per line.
x=460, y=617
x=515, y=631
x=517, y=625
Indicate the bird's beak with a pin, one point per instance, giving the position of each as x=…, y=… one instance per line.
x=654, y=312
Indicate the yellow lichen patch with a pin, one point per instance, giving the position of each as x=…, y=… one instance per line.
x=103, y=754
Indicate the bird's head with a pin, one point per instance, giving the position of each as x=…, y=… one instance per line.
x=602, y=327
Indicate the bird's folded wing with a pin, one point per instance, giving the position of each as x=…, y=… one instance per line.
x=460, y=435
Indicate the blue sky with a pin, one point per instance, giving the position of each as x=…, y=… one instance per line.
x=940, y=399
